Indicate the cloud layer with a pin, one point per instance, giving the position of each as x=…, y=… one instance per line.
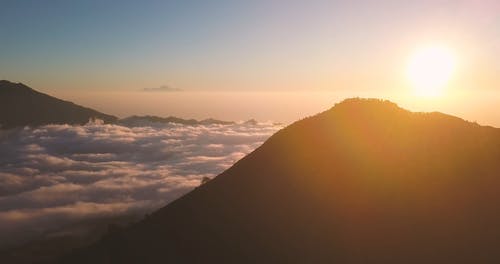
x=58, y=174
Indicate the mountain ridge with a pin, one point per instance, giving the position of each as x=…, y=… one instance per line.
x=34, y=108
x=363, y=182
x=141, y=120
x=145, y=120
x=21, y=106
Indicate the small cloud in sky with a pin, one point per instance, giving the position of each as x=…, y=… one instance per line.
x=163, y=88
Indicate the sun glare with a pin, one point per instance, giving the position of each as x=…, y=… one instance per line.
x=430, y=69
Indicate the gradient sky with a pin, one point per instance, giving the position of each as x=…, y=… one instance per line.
x=248, y=53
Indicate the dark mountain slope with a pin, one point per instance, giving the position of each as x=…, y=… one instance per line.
x=23, y=106
x=364, y=182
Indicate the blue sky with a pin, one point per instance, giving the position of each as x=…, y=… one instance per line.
x=241, y=46
x=82, y=39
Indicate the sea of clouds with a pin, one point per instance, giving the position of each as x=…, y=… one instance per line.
x=55, y=175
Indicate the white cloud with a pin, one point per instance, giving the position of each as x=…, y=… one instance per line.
x=53, y=175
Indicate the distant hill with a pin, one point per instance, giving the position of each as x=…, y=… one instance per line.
x=148, y=120
x=364, y=182
x=151, y=120
x=22, y=106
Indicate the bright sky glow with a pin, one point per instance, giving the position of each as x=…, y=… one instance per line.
x=103, y=54
x=430, y=69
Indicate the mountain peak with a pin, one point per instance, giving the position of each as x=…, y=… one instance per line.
x=374, y=114
x=5, y=84
x=363, y=182
x=359, y=101
x=367, y=105
x=21, y=105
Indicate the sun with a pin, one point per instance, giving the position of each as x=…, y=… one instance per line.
x=430, y=69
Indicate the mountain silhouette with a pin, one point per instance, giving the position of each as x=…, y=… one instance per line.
x=363, y=182
x=22, y=106
x=148, y=119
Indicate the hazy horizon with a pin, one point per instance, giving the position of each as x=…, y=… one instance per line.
x=284, y=107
